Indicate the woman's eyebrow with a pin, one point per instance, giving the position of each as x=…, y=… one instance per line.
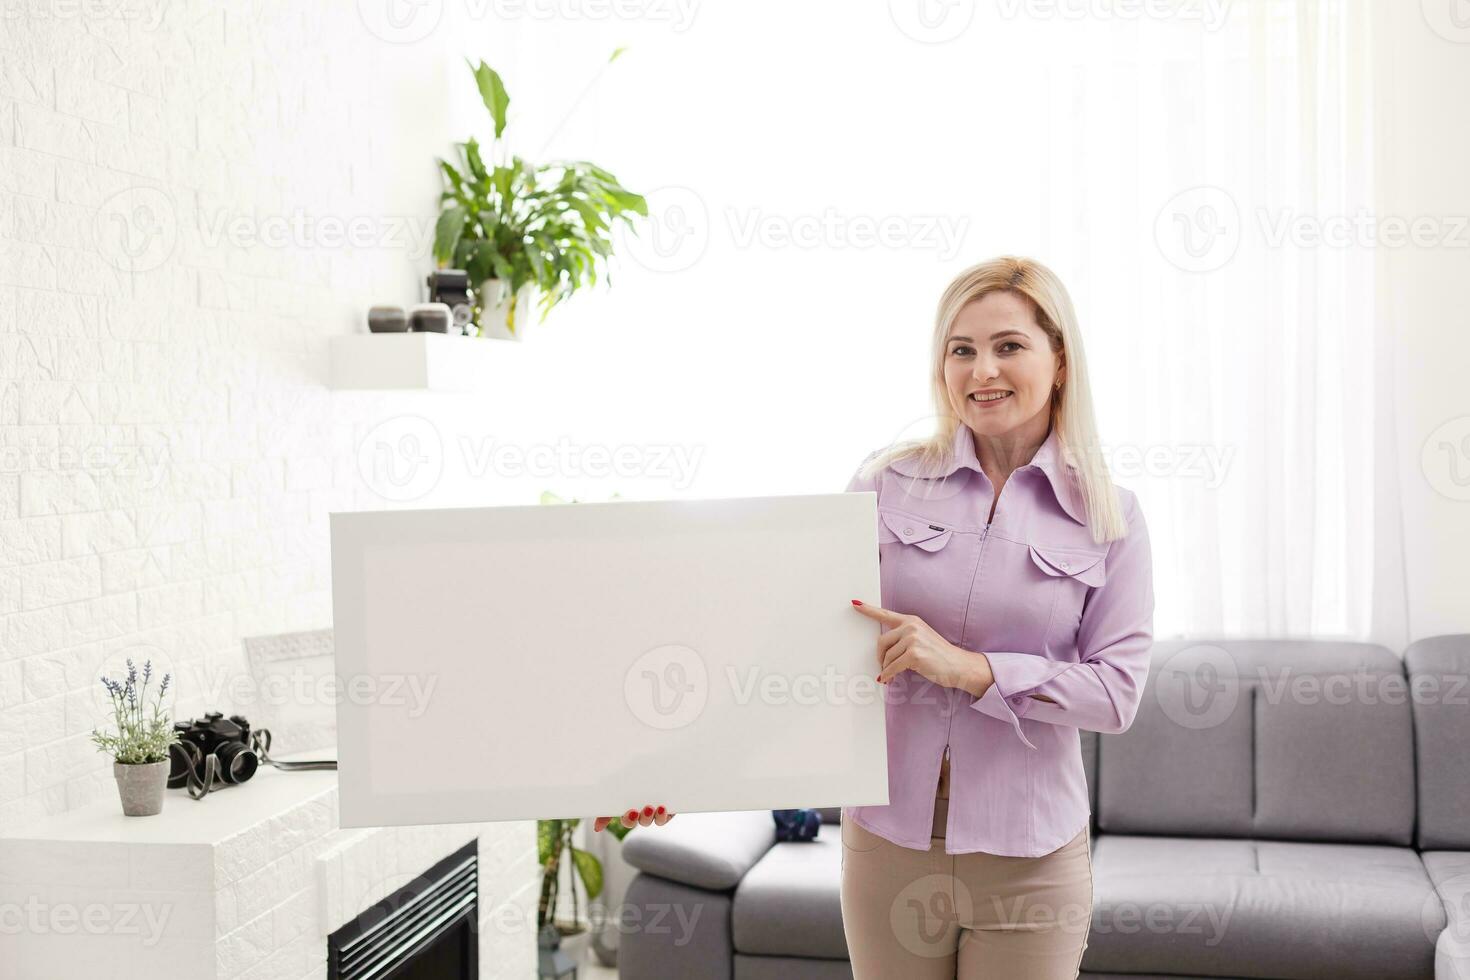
x=995, y=336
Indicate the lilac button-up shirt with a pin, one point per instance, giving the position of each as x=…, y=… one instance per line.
x=1058, y=615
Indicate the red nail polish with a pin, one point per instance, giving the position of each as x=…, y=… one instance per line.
x=660, y=810
x=856, y=602
x=632, y=814
x=648, y=811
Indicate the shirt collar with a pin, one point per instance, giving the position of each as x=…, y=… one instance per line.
x=1047, y=459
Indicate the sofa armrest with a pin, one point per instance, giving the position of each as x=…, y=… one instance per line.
x=707, y=850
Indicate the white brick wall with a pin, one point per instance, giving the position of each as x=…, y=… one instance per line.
x=170, y=450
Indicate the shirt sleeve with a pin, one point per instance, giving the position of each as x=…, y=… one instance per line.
x=1101, y=691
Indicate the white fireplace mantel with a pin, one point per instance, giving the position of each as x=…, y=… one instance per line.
x=245, y=884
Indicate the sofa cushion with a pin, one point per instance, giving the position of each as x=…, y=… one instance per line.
x=1439, y=676
x=1257, y=908
x=706, y=850
x=1299, y=740
x=790, y=903
x=1450, y=872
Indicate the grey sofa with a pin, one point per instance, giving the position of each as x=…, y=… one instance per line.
x=1278, y=809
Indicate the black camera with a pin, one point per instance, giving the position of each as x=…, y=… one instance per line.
x=226, y=740
x=452, y=288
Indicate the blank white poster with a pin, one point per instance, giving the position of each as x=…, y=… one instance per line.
x=578, y=660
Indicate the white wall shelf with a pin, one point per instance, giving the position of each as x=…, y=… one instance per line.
x=418, y=361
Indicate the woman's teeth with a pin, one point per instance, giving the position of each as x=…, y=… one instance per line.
x=989, y=398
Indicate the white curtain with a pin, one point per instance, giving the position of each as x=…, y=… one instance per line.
x=1197, y=173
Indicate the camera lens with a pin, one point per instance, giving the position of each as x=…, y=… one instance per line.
x=237, y=763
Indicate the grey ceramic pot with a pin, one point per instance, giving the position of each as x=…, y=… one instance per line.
x=141, y=787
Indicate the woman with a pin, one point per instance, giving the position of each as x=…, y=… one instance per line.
x=1017, y=606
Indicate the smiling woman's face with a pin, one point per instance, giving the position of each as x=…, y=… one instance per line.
x=995, y=345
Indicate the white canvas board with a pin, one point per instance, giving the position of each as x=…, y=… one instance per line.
x=577, y=660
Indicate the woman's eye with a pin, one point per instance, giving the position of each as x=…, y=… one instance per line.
x=1010, y=343
x=961, y=349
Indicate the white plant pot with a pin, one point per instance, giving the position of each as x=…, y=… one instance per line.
x=140, y=787
x=495, y=308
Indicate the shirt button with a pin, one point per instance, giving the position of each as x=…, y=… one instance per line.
x=1066, y=564
x=908, y=530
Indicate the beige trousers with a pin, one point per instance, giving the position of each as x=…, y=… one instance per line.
x=928, y=915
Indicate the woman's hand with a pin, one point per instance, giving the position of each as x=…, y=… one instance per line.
x=909, y=643
x=649, y=814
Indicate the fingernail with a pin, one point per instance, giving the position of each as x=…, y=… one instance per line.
x=660, y=810
x=632, y=814
x=648, y=811
x=857, y=602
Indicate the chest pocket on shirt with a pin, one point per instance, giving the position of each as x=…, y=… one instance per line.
x=908, y=548
x=1075, y=570
x=903, y=529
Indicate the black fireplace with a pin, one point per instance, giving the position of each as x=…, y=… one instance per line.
x=426, y=930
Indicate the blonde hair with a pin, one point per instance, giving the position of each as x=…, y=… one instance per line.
x=1071, y=407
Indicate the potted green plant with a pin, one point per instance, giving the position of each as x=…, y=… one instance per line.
x=554, y=843
x=140, y=745
x=522, y=230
